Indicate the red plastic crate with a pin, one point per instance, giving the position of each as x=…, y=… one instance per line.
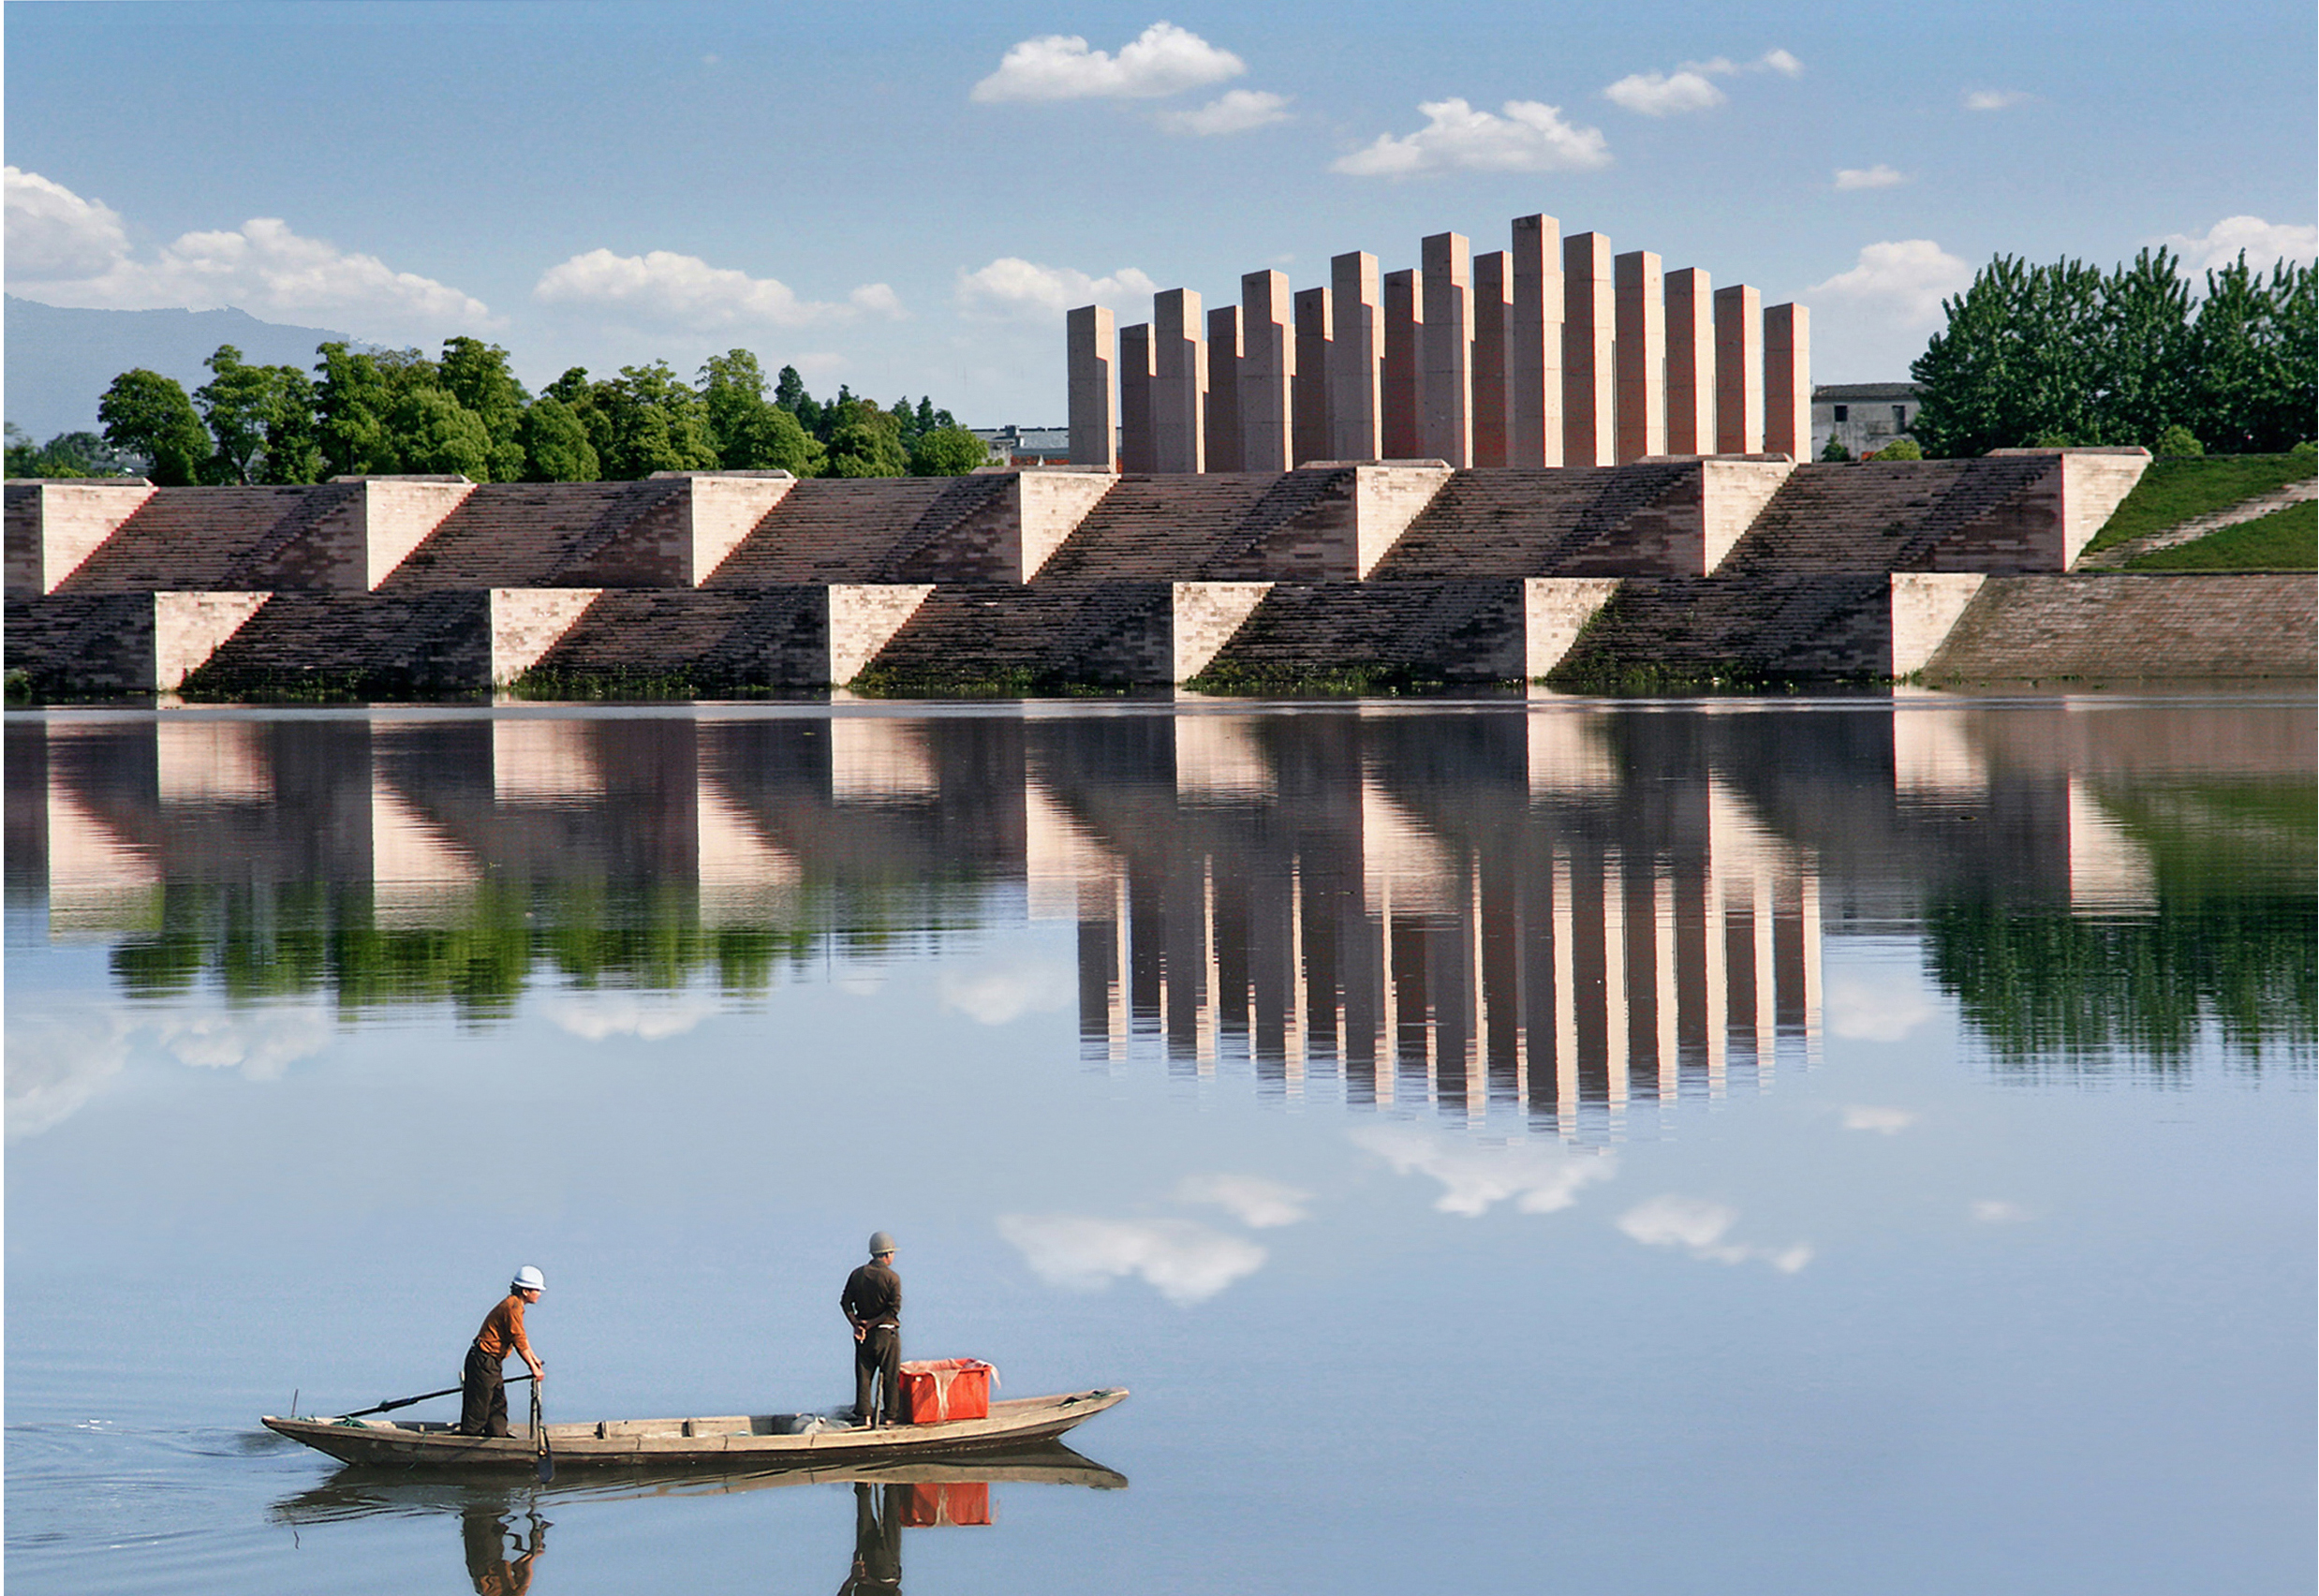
x=961, y=1502
x=937, y=1389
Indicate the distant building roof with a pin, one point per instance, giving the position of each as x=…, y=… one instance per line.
x=1865, y=391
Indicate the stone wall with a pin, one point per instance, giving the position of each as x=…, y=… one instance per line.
x=1667, y=568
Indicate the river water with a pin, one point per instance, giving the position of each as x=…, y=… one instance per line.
x=1813, y=1146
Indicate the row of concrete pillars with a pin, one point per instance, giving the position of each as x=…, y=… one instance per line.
x=1504, y=358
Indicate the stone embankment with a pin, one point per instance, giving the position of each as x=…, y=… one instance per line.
x=1668, y=570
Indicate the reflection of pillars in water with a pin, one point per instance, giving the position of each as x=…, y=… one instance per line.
x=1614, y=1022
x=1388, y=1003
x=1766, y=979
x=1210, y=996
x=1298, y=1039
x=1808, y=884
x=1668, y=998
x=1565, y=1001
x=1715, y=996
x=1477, y=1022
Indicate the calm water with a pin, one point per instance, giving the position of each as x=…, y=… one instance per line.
x=1814, y=1147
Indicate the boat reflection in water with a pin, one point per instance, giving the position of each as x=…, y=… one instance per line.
x=503, y=1524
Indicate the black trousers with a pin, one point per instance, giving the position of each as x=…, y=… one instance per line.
x=482, y=1395
x=878, y=1355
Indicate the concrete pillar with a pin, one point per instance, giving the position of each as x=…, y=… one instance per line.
x=1691, y=363
x=1267, y=371
x=1178, y=383
x=1138, y=449
x=1642, y=347
x=1405, y=319
x=1220, y=425
x=1446, y=350
x=1088, y=334
x=1493, y=297
x=1356, y=359
x=1589, y=379
x=1738, y=371
x=1311, y=435
x=1534, y=345
x=1787, y=380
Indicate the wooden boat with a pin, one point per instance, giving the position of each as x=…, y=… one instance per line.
x=738, y=1441
x=362, y=1491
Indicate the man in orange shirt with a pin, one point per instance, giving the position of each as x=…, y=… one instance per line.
x=482, y=1386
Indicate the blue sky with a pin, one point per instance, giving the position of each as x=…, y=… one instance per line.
x=907, y=199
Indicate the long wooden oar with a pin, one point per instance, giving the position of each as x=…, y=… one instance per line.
x=423, y=1397
x=539, y=1432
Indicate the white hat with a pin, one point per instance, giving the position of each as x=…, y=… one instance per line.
x=528, y=1279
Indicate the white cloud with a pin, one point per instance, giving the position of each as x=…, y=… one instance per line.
x=2264, y=243
x=66, y=251
x=688, y=291
x=1664, y=94
x=1996, y=1211
x=55, y=234
x=1186, y=1263
x=1877, y=176
x=1538, y=1177
x=1902, y=281
x=1255, y=1202
x=55, y=1066
x=1238, y=111
x=1011, y=288
x=262, y=1044
x=1699, y=1226
x=993, y=995
x=593, y=1016
x=1529, y=137
x=1996, y=99
x=1878, y=1011
x=1163, y=59
x=1885, y=1121
x=1688, y=87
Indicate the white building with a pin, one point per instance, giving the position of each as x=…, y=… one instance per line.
x=1862, y=415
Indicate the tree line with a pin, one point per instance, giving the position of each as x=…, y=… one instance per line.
x=2039, y=356
x=367, y=412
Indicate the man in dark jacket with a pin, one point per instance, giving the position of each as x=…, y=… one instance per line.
x=873, y=1303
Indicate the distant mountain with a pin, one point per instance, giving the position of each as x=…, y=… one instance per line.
x=61, y=362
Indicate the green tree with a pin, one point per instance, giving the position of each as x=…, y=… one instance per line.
x=863, y=441
x=1834, y=450
x=2018, y=359
x=476, y=374
x=2178, y=442
x=2145, y=357
x=435, y=434
x=657, y=424
x=750, y=433
x=788, y=388
x=350, y=404
x=948, y=451
x=555, y=444
x=147, y=414
x=68, y=454
x=573, y=389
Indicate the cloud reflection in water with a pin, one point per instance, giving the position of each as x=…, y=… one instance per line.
x=1538, y=1177
x=1187, y=1263
x=1700, y=1226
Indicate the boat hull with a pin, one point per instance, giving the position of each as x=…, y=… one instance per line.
x=735, y=1442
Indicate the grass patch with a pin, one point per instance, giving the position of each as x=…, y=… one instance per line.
x=2285, y=539
x=1367, y=679
x=638, y=687
x=2173, y=491
x=1010, y=682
